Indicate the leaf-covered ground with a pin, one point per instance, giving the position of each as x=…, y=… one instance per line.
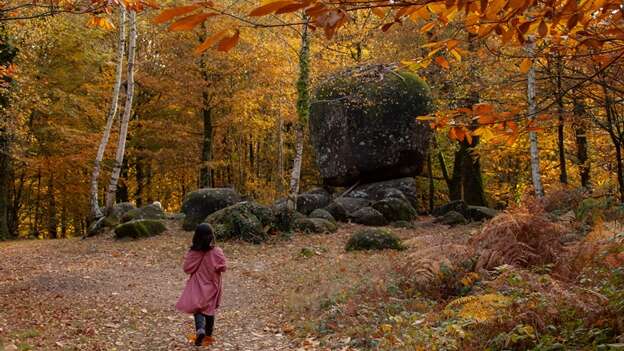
x=103, y=294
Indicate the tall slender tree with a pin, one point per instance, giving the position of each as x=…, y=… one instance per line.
x=303, y=112
x=123, y=130
x=96, y=212
x=532, y=113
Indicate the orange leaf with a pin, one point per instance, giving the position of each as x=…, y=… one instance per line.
x=542, y=29
x=211, y=41
x=427, y=27
x=227, y=43
x=572, y=21
x=292, y=8
x=168, y=14
x=190, y=22
x=270, y=7
x=378, y=12
x=481, y=109
x=440, y=60
x=525, y=65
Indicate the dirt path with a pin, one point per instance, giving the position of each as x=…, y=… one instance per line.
x=99, y=294
x=103, y=294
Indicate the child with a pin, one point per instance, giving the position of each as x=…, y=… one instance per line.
x=202, y=295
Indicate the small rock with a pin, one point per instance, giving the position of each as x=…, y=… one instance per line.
x=321, y=213
x=395, y=209
x=368, y=216
x=452, y=218
x=373, y=239
x=480, y=213
x=457, y=206
x=315, y=225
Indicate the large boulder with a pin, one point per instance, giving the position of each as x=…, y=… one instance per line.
x=395, y=209
x=246, y=221
x=139, y=228
x=394, y=188
x=199, y=204
x=368, y=216
x=363, y=125
x=337, y=211
x=151, y=211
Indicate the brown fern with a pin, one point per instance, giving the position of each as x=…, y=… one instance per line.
x=518, y=238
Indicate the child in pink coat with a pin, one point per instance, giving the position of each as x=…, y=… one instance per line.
x=204, y=262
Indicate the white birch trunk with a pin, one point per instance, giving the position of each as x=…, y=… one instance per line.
x=123, y=130
x=532, y=106
x=296, y=171
x=303, y=105
x=96, y=212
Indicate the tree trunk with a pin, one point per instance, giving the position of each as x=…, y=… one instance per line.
x=8, y=54
x=121, y=195
x=532, y=111
x=123, y=132
x=205, y=179
x=280, y=156
x=96, y=212
x=616, y=140
x=5, y=171
x=563, y=172
x=139, y=176
x=431, y=183
x=580, y=133
x=52, y=225
x=303, y=111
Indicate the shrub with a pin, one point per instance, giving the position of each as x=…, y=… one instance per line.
x=373, y=239
x=518, y=238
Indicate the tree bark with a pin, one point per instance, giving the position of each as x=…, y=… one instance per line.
x=8, y=54
x=563, y=172
x=96, y=212
x=123, y=132
x=52, y=224
x=205, y=178
x=580, y=133
x=532, y=111
x=303, y=111
x=616, y=140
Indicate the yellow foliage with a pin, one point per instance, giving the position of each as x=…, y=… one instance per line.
x=481, y=308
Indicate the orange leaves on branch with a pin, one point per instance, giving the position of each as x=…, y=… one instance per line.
x=190, y=22
x=100, y=22
x=227, y=43
x=210, y=41
x=270, y=8
x=169, y=14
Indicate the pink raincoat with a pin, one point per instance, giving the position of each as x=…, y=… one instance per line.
x=202, y=292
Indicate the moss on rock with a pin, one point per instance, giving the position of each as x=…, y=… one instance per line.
x=373, y=239
x=246, y=221
x=395, y=209
x=315, y=225
x=140, y=228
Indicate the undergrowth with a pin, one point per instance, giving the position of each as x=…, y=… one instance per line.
x=516, y=285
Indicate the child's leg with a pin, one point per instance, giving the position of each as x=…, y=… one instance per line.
x=200, y=323
x=209, y=325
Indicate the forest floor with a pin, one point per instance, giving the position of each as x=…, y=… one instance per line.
x=104, y=294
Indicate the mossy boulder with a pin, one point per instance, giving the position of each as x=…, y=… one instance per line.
x=351, y=204
x=199, y=204
x=151, y=211
x=321, y=213
x=373, y=239
x=404, y=188
x=338, y=211
x=246, y=221
x=363, y=125
x=368, y=216
x=315, y=225
x=139, y=228
x=395, y=209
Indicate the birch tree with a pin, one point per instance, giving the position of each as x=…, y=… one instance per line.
x=532, y=112
x=123, y=131
x=96, y=212
x=303, y=112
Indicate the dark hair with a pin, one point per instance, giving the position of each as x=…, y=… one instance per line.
x=203, y=239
